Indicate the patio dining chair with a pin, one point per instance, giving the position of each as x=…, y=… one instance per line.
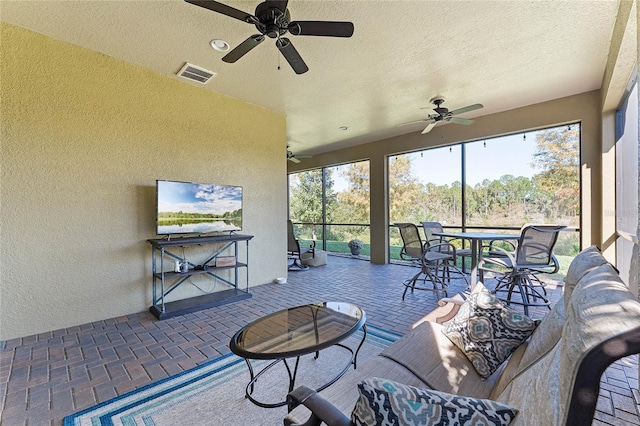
x=412, y=245
x=517, y=272
x=295, y=253
x=430, y=227
x=435, y=262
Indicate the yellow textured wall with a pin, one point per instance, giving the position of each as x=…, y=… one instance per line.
x=84, y=138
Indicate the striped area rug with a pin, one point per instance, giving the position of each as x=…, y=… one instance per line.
x=214, y=393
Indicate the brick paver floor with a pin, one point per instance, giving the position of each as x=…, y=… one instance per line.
x=50, y=375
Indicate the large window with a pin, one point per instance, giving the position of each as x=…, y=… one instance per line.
x=532, y=177
x=498, y=184
x=426, y=186
x=331, y=205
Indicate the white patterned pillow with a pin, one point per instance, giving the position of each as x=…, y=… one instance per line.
x=384, y=402
x=487, y=331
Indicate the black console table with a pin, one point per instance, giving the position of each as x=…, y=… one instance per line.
x=165, y=281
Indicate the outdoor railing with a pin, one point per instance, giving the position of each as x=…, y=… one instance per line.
x=335, y=238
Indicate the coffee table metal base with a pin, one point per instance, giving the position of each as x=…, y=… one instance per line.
x=292, y=375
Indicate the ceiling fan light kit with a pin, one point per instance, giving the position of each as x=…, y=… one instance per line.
x=272, y=19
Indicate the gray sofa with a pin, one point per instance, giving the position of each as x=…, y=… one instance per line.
x=551, y=379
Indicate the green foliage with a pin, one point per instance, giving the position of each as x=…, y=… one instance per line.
x=305, y=204
x=559, y=183
x=405, y=191
x=181, y=215
x=353, y=204
x=355, y=244
x=553, y=195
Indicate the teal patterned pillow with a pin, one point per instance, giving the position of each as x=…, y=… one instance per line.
x=388, y=403
x=487, y=331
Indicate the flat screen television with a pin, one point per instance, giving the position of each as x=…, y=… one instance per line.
x=197, y=208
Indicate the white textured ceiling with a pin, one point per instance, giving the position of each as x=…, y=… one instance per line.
x=503, y=54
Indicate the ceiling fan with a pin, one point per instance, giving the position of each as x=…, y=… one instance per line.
x=272, y=19
x=441, y=113
x=295, y=158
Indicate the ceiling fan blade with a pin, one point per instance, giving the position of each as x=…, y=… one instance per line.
x=293, y=160
x=225, y=10
x=243, y=48
x=466, y=109
x=459, y=120
x=278, y=4
x=424, y=120
x=430, y=110
x=429, y=127
x=291, y=55
x=321, y=28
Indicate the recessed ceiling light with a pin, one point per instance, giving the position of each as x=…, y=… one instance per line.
x=219, y=45
x=343, y=127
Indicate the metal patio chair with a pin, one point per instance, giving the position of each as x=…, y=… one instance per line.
x=517, y=272
x=430, y=227
x=435, y=261
x=294, y=252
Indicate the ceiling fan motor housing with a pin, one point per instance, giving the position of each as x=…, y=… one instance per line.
x=272, y=21
x=442, y=111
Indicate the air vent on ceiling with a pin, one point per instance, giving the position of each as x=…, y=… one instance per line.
x=195, y=73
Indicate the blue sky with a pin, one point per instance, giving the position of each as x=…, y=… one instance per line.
x=506, y=155
x=198, y=198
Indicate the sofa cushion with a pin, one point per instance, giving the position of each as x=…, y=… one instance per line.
x=542, y=341
x=600, y=307
x=430, y=355
x=584, y=262
x=487, y=331
x=535, y=392
x=344, y=393
x=386, y=402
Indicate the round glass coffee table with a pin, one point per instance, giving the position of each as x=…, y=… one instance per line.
x=297, y=331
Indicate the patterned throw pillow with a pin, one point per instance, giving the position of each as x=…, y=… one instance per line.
x=487, y=331
x=384, y=402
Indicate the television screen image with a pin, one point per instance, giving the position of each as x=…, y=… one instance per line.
x=196, y=208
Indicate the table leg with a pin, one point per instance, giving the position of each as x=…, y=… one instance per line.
x=251, y=378
x=364, y=336
x=480, y=271
x=293, y=373
x=474, y=263
x=254, y=377
x=292, y=380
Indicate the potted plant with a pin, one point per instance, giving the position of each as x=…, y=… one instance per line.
x=355, y=245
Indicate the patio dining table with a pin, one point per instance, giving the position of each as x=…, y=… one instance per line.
x=476, y=239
